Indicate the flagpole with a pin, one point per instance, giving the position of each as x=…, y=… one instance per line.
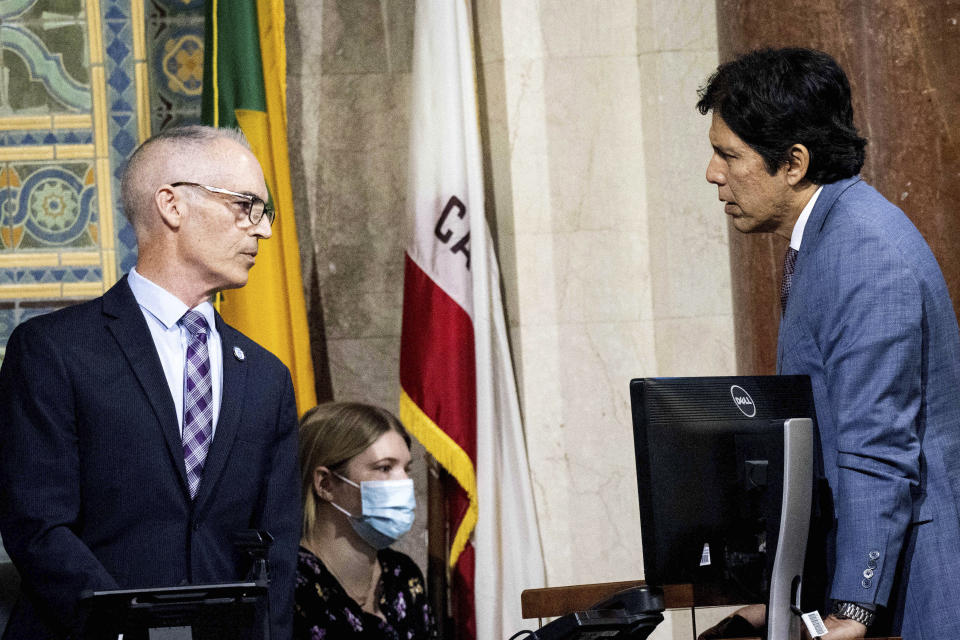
x=438, y=583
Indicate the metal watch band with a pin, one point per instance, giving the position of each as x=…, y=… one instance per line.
x=853, y=611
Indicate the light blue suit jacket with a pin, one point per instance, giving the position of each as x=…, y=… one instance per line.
x=870, y=320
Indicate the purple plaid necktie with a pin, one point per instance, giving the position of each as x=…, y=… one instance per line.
x=197, y=399
x=789, y=261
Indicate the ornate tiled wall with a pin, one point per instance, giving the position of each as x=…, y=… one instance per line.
x=175, y=50
x=82, y=82
x=72, y=106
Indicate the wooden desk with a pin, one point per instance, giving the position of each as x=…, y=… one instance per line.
x=551, y=602
x=558, y=601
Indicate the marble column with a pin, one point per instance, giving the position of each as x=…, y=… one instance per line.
x=900, y=56
x=612, y=248
x=348, y=78
x=612, y=245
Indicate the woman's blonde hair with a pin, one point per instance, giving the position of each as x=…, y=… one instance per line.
x=331, y=434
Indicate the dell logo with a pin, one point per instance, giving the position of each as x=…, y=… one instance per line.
x=743, y=401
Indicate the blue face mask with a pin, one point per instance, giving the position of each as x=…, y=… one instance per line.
x=387, y=511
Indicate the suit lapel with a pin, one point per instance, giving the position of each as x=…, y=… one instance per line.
x=125, y=321
x=231, y=408
x=811, y=234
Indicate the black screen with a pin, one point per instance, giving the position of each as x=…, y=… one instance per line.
x=709, y=455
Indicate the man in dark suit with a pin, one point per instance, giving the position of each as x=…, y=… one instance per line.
x=138, y=431
x=866, y=314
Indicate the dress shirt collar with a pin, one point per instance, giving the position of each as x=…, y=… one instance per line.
x=797, y=236
x=163, y=305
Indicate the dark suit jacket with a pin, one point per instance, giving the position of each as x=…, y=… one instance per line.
x=870, y=320
x=93, y=490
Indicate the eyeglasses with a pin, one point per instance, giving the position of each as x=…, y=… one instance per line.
x=256, y=208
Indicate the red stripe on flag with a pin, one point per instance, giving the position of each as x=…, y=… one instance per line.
x=438, y=373
x=437, y=360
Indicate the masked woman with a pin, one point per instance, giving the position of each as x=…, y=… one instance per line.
x=357, y=500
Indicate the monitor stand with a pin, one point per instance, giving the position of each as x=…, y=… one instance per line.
x=783, y=620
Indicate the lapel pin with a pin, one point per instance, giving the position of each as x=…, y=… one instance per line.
x=238, y=354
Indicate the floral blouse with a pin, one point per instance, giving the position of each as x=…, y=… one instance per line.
x=323, y=610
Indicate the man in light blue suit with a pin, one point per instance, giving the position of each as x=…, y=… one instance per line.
x=867, y=315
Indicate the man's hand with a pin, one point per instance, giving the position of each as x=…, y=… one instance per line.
x=754, y=615
x=746, y=621
x=845, y=629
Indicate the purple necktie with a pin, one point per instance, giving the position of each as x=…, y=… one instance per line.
x=197, y=399
x=789, y=261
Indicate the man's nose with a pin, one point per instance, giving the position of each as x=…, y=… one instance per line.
x=263, y=229
x=715, y=173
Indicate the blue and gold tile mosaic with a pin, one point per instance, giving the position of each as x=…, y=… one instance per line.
x=175, y=46
x=82, y=83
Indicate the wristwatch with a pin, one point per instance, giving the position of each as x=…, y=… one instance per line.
x=853, y=611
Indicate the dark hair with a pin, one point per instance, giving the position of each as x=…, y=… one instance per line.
x=775, y=98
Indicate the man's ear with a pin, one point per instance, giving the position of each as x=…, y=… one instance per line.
x=798, y=163
x=170, y=204
x=322, y=479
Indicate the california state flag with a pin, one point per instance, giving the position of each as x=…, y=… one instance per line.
x=458, y=395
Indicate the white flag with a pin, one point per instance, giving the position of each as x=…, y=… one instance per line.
x=461, y=402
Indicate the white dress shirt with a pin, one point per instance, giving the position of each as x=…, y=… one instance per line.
x=797, y=235
x=163, y=311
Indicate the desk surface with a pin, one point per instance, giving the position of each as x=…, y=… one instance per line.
x=557, y=601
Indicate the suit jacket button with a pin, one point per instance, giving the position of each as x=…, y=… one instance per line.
x=873, y=555
x=868, y=573
x=871, y=564
x=865, y=583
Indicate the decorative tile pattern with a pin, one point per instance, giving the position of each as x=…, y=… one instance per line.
x=175, y=46
x=56, y=136
x=74, y=103
x=44, y=206
x=40, y=40
x=44, y=276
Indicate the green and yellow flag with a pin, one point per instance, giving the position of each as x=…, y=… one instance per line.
x=245, y=86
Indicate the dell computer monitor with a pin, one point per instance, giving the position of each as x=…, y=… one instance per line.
x=725, y=477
